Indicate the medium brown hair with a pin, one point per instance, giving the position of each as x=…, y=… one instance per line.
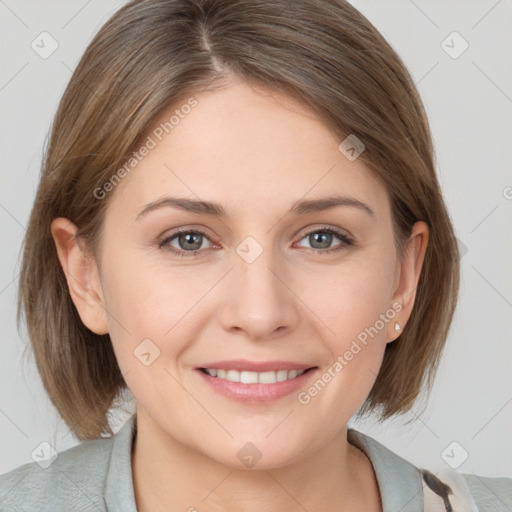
x=151, y=54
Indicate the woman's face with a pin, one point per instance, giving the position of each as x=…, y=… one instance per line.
x=262, y=283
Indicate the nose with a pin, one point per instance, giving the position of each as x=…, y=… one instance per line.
x=259, y=298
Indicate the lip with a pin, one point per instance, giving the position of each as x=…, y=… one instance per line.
x=255, y=366
x=256, y=393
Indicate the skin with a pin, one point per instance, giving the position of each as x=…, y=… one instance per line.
x=256, y=153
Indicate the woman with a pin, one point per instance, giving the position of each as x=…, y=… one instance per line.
x=239, y=221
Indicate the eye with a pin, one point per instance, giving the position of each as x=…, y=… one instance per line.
x=189, y=242
x=320, y=240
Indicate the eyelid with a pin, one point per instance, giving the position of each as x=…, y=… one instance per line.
x=171, y=232
x=325, y=227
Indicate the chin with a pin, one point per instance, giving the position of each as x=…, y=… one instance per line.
x=258, y=455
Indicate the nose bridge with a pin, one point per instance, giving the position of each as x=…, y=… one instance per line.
x=260, y=302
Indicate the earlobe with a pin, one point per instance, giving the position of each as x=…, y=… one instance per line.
x=409, y=271
x=82, y=275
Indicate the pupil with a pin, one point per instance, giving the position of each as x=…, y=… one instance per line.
x=186, y=238
x=320, y=235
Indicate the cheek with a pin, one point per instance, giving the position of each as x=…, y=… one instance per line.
x=355, y=306
x=147, y=323
x=147, y=300
x=142, y=304
x=352, y=296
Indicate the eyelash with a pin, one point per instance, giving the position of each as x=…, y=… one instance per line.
x=346, y=241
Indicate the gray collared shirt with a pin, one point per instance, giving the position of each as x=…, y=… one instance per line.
x=97, y=476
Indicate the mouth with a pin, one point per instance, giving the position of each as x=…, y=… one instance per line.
x=255, y=387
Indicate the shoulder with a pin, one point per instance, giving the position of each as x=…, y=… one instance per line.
x=490, y=494
x=74, y=480
x=471, y=493
x=405, y=487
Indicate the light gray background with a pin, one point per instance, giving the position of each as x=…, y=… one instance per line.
x=469, y=103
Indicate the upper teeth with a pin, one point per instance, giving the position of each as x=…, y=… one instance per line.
x=254, y=377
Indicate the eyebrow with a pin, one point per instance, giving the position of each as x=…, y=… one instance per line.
x=217, y=210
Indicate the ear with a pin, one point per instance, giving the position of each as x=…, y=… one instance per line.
x=407, y=276
x=82, y=275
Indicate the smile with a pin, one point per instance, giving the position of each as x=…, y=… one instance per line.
x=253, y=387
x=247, y=377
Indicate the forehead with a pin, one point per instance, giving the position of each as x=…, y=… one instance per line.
x=245, y=147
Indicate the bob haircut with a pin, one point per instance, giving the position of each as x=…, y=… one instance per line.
x=152, y=54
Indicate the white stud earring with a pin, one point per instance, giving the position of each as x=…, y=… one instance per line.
x=397, y=326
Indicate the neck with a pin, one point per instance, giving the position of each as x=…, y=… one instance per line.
x=167, y=474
